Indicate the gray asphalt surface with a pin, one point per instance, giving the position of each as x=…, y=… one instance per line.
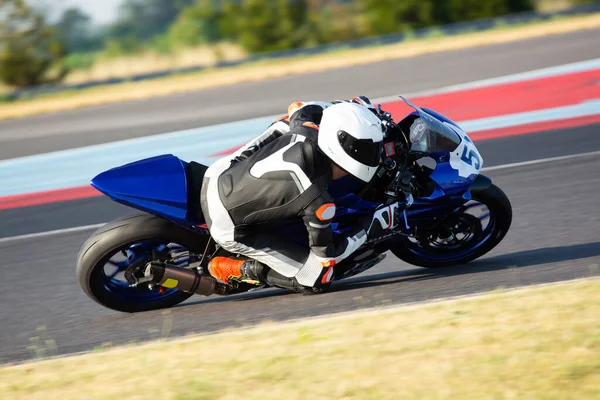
x=555, y=236
x=112, y=122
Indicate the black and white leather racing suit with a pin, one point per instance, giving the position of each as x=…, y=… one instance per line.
x=281, y=175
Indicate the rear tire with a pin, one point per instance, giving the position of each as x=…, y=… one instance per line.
x=106, y=241
x=497, y=202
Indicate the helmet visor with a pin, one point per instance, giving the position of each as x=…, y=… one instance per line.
x=365, y=151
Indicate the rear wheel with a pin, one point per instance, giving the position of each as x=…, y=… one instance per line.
x=470, y=232
x=136, y=240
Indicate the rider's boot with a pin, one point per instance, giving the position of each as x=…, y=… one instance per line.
x=230, y=270
x=274, y=278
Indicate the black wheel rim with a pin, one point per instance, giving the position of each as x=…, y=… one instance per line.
x=458, y=236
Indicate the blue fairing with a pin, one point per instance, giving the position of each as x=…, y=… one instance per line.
x=156, y=185
x=447, y=178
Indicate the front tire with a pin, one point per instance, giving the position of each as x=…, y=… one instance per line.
x=117, y=237
x=422, y=254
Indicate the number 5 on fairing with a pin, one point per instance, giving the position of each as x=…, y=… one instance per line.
x=470, y=157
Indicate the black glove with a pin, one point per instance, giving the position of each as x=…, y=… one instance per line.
x=384, y=221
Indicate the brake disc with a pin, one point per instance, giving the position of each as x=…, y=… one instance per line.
x=455, y=232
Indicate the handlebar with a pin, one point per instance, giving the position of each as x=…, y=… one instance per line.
x=403, y=179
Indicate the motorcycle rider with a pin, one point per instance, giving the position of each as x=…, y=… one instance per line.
x=283, y=175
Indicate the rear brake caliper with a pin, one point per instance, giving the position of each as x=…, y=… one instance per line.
x=137, y=273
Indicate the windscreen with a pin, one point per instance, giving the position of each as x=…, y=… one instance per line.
x=428, y=134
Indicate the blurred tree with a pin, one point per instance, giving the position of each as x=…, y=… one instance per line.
x=130, y=20
x=272, y=25
x=257, y=25
x=389, y=16
x=74, y=29
x=198, y=23
x=230, y=20
x=336, y=22
x=468, y=10
x=161, y=44
x=126, y=45
x=144, y=19
x=29, y=48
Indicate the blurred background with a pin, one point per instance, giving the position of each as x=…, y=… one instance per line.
x=76, y=41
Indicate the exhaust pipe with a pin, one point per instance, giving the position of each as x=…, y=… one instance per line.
x=186, y=280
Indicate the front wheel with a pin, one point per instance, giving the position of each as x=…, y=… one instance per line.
x=126, y=242
x=472, y=231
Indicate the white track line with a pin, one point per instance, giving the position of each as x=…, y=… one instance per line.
x=494, y=168
x=51, y=233
x=542, y=161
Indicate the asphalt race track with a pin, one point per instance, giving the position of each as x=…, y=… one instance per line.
x=555, y=236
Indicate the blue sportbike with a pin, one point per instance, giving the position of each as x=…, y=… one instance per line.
x=450, y=214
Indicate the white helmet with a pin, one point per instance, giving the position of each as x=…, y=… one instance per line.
x=351, y=136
